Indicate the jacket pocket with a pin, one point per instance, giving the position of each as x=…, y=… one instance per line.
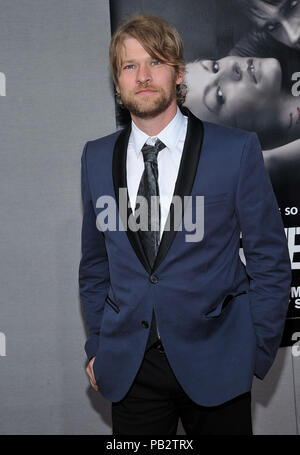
x=220, y=308
x=113, y=305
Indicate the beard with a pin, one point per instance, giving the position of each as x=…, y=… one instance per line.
x=148, y=106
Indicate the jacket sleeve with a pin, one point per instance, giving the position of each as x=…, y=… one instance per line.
x=93, y=269
x=266, y=253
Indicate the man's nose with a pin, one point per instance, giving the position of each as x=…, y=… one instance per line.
x=292, y=29
x=143, y=74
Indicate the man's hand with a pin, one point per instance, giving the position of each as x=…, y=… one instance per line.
x=90, y=373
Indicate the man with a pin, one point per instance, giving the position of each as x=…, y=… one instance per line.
x=177, y=324
x=276, y=33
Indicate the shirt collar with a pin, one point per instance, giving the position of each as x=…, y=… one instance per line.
x=170, y=135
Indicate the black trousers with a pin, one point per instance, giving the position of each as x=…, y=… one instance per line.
x=156, y=401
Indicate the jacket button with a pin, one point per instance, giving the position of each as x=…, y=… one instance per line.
x=145, y=324
x=153, y=279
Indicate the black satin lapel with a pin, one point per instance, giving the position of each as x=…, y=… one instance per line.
x=120, y=181
x=185, y=179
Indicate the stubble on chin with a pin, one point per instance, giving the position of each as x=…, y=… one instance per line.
x=150, y=109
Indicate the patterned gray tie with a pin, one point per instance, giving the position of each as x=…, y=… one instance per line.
x=150, y=238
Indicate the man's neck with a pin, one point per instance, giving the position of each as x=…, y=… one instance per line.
x=153, y=126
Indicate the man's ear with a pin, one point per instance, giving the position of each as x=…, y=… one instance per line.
x=180, y=76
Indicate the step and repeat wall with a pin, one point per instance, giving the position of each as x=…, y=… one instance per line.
x=55, y=94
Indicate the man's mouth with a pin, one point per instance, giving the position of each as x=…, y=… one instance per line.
x=251, y=70
x=145, y=90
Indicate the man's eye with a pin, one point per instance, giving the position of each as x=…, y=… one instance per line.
x=215, y=66
x=128, y=67
x=271, y=26
x=156, y=62
x=220, y=96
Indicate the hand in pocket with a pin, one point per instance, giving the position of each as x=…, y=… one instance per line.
x=90, y=372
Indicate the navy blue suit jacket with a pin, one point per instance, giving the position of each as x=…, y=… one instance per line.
x=220, y=322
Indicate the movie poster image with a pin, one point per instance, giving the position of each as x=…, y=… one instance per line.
x=243, y=70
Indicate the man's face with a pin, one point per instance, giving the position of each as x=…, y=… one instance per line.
x=147, y=86
x=281, y=19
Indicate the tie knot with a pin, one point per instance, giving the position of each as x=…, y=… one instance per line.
x=150, y=152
